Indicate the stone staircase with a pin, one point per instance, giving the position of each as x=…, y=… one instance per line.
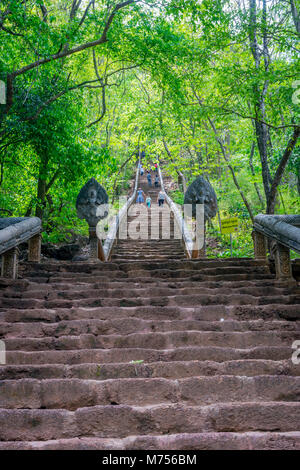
x=149, y=351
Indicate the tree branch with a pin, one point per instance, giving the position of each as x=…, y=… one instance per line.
x=77, y=49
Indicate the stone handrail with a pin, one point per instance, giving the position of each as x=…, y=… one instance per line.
x=13, y=232
x=186, y=236
x=285, y=231
x=112, y=234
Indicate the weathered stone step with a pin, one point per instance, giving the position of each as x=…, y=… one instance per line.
x=162, y=301
x=128, y=249
x=144, y=292
x=127, y=355
x=147, y=276
x=127, y=326
x=21, y=286
x=160, y=249
x=166, y=340
x=206, y=312
x=75, y=393
x=92, y=267
x=226, y=273
x=121, y=257
x=132, y=258
x=157, y=248
x=185, y=272
x=197, y=441
x=147, y=243
x=98, y=268
x=121, y=421
x=175, y=370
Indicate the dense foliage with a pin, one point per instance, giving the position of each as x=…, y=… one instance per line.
x=209, y=87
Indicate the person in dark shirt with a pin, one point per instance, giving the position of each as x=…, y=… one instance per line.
x=149, y=179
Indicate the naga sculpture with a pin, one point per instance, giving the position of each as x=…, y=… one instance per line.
x=92, y=203
x=202, y=192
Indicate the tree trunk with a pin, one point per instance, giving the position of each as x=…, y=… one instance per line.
x=253, y=174
x=179, y=173
x=41, y=188
x=261, y=130
x=280, y=170
x=41, y=195
x=117, y=175
x=296, y=15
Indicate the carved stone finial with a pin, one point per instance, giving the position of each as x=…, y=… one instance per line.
x=92, y=203
x=202, y=192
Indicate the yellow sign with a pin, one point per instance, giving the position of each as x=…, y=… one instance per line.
x=229, y=225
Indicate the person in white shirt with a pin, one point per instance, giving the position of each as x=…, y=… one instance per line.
x=161, y=198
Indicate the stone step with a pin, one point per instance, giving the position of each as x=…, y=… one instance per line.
x=127, y=355
x=221, y=273
x=71, y=394
x=153, y=313
x=146, y=276
x=137, y=256
x=159, y=301
x=133, y=257
x=173, y=370
x=166, y=340
x=22, y=286
x=76, y=393
x=121, y=421
x=151, y=267
x=128, y=249
x=180, y=266
x=126, y=326
x=196, y=441
x=151, y=243
x=144, y=292
x=91, y=267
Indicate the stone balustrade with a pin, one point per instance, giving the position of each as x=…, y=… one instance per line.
x=285, y=231
x=13, y=232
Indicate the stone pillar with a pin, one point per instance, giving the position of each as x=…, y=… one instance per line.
x=10, y=263
x=202, y=252
x=260, y=247
x=283, y=262
x=101, y=255
x=196, y=252
x=93, y=243
x=96, y=248
x=34, y=248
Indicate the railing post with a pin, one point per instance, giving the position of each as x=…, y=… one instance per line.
x=101, y=255
x=196, y=253
x=9, y=267
x=282, y=262
x=200, y=234
x=202, y=252
x=96, y=248
x=34, y=248
x=260, y=246
x=93, y=243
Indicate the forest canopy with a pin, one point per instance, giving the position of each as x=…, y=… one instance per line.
x=209, y=87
